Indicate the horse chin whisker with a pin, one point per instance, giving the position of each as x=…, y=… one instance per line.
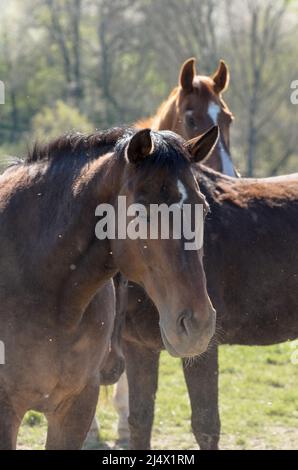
x=219, y=334
x=189, y=361
x=214, y=342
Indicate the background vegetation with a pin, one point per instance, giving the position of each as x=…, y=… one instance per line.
x=81, y=64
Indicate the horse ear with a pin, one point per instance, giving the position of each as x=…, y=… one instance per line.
x=201, y=147
x=187, y=74
x=140, y=146
x=221, y=77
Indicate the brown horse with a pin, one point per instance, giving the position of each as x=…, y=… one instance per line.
x=191, y=108
x=194, y=106
x=251, y=264
x=56, y=297
x=114, y=363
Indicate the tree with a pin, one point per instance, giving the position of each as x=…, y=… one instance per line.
x=64, y=28
x=260, y=37
x=115, y=61
x=55, y=120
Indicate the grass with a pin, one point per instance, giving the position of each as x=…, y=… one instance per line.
x=258, y=403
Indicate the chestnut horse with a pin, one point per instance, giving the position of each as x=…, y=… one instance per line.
x=193, y=107
x=251, y=264
x=56, y=296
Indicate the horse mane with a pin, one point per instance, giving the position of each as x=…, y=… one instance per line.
x=169, y=150
x=148, y=122
x=76, y=145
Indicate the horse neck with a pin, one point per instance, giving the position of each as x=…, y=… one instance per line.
x=207, y=179
x=70, y=197
x=166, y=116
x=218, y=189
x=95, y=183
x=100, y=184
x=90, y=259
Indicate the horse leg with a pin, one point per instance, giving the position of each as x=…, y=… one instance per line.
x=9, y=425
x=70, y=423
x=120, y=401
x=202, y=383
x=92, y=438
x=122, y=407
x=142, y=375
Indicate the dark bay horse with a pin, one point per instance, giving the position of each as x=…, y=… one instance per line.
x=114, y=363
x=56, y=298
x=251, y=264
x=191, y=108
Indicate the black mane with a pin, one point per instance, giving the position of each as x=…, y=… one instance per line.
x=169, y=150
x=76, y=145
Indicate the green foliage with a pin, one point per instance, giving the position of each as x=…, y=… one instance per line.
x=33, y=418
x=114, y=62
x=62, y=118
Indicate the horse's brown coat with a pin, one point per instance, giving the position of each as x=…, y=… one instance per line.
x=251, y=263
x=185, y=111
x=56, y=298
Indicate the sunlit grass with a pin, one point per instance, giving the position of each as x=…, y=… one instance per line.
x=258, y=403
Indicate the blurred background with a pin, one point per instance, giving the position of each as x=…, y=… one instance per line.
x=81, y=64
x=85, y=64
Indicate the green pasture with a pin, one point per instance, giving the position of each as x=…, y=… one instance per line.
x=258, y=403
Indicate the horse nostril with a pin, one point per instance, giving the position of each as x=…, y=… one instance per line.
x=183, y=319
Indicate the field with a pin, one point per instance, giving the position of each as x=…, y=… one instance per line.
x=258, y=403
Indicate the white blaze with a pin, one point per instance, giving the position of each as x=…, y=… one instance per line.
x=183, y=193
x=227, y=166
x=213, y=112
